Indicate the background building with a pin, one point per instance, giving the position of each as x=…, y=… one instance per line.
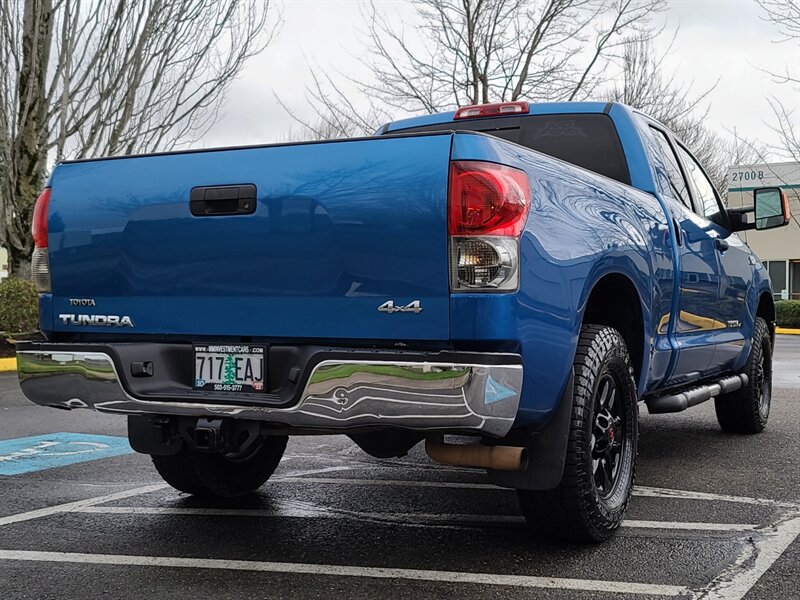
x=778, y=249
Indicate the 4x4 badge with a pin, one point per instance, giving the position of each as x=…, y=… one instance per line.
x=389, y=307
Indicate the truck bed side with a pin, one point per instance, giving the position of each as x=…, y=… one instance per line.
x=582, y=227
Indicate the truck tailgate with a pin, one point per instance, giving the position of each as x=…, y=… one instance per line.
x=339, y=228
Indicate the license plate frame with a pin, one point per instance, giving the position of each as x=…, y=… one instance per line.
x=232, y=368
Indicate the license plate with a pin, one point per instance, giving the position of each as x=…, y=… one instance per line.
x=229, y=368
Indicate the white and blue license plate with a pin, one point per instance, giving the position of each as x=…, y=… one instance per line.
x=229, y=368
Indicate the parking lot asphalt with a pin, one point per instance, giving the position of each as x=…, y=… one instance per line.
x=713, y=516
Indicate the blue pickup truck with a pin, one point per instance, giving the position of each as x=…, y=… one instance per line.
x=505, y=282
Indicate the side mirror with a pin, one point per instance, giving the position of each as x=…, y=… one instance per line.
x=770, y=209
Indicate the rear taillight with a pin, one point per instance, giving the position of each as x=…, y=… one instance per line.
x=40, y=264
x=487, y=199
x=488, y=205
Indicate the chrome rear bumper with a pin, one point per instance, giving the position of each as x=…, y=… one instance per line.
x=338, y=395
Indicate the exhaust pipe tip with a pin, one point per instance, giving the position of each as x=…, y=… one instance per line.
x=499, y=458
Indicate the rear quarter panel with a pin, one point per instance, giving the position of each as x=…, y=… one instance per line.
x=581, y=227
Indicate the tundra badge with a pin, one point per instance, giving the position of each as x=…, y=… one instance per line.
x=96, y=320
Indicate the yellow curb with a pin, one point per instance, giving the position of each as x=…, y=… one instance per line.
x=787, y=331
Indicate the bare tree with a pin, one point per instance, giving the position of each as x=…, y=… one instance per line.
x=340, y=115
x=785, y=14
x=112, y=77
x=787, y=127
x=318, y=129
x=646, y=85
x=476, y=51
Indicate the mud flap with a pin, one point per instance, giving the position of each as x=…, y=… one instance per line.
x=547, y=451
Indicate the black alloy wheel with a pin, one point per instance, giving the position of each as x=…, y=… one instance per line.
x=608, y=443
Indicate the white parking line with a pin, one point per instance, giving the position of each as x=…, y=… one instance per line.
x=301, y=474
x=738, y=579
x=642, y=491
x=654, y=492
x=308, y=510
x=71, y=506
x=525, y=581
x=393, y=482
x=79, y=504
x=731, y=584
x=359, y=460
x=689, y=525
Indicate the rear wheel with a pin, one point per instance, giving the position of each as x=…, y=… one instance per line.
x=589, y=503
x=216, y=474
x=747, y=410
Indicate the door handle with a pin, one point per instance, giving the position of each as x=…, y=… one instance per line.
x=223, y=200
x=721, y=244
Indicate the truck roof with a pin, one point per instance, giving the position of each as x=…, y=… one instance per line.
x=543, y=108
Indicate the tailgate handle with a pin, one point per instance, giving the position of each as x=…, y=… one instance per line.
x=219, y=200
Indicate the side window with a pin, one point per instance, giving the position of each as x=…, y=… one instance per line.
x=704, y=190
x=676, y=180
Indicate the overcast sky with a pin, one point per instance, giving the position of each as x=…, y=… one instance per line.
x=718, y=39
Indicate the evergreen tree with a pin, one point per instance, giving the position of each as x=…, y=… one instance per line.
x=230, y=369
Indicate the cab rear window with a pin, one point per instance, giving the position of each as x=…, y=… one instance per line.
x=587, y=140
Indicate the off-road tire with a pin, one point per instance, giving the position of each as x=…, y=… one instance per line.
x=213, y=474
x=578, y=510
x=747, y=409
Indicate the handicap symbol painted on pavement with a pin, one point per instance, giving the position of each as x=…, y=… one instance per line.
x=40, y=452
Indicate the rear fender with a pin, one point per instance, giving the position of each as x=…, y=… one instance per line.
x=580, y=227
